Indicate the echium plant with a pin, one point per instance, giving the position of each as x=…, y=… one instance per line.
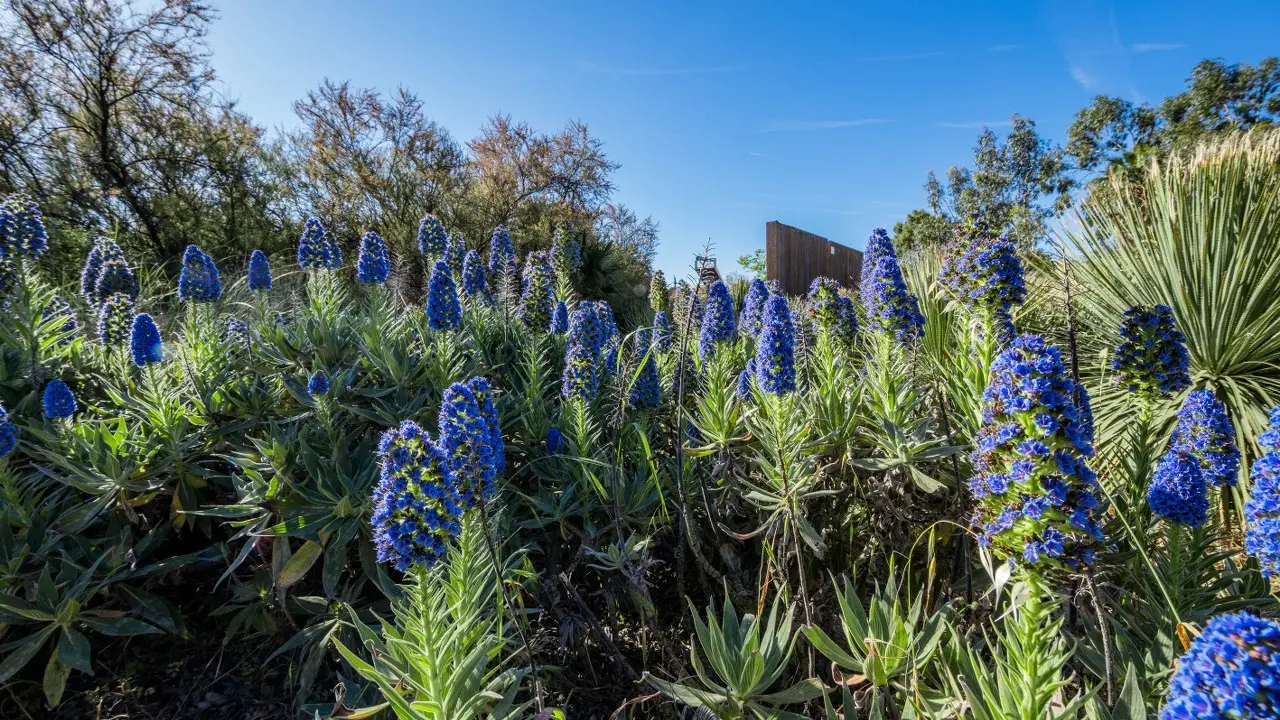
x=1262, y=511
x=536, y=300
x=58, y=400
x=645, y=389
x=502, y=254
x=1228, y=673
x=315, y=249
x=115, y=318
x=580, y=380
x=1177, y=491
x=259, y=272
x=466, y=443
x=890, y=307
x=115, y=277
x=443, y=310
x=845, y=331
x=474, y=284
x=373, y=265
x=560, y=318
x=1151, y=360
x=103, y=251
x=144, y=341
x=22, y=230
x=8, y=433
x=479, y=387
x=416, y=505
x=820, y=304
x=566, y=252
x=658, y=298
x=753, y=307
x=661, y=331
x=775, y=361
x=982, y=271
x=200, y=281
x=235, y=335
x=1204, y=432
x=455, y=251
x=1033, y=485
x=433, y=239
x=718, y=322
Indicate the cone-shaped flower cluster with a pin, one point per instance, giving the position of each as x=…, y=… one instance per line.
x=566, y=253
x=645, y=391
x=8, y=433
x=845, y=331
x=1177, y=490
x=1152, y=358
x=316, y=250
x=454, y=252
x=560, y=319
x=889, y=306
x=1033, y=484
x=259, y=272
x=718, y=323
x=200, y=280
x=473, y=275
x=416, y=507
x=554, y=441
x=983, y=271
x=820, y=303
x=775, y=361
x=661, y=331
x=22, y=230
x=59, y=401
x=484, y=398
x=580, y=379
x=433, y=239
x=753, y=307
x=1262, y=511
x=373, y=264
x=1230, y=672
x=536, y=301
x=658, y=298
x=144, y=341
x=104, y=251
x=115, y=319
x=318, y=384
x=502, y=254
x=61, y=316
x=465, y=441
x=744, y=379
x=1204, y=432
x=443, y=310
x=235, y=335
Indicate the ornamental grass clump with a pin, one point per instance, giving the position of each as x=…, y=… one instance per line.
x=1262, y=510
x=890, y=307
x=416, y=505
x=373, y=264
x=1151, y=360
x=1033, y=485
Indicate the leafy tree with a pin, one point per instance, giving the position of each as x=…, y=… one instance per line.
x=1113, y=131
x=1017, y=183
x=920, y=230
x=620, y=225
x=753, y=263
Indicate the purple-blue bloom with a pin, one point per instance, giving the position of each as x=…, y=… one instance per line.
x=536, y=301
x=1262, y=510
x=775, y=361
x=314, y=247
x=984, y=272
x=661, y=331
x=1177, y=490
x=115, y=318
x=560, y=319
x=479, y=387
x=566, y=252
x=318, y=384
x=200, y=280
x=889, y=306
x=373, y=264
x=102, y=252
x=753, y=307
x=502, y=254
x=1230, y=672
x=1204, y=432
x=8, y=433
x=22, y=230
x=59, y=401
x=645, y=390
x=416, y=505
x=433, y=239
x=466, y=443
x=1152, y=358
x=718, y=322
x=144, y=341
x=443, y=310
x=474, y=282
x=259, y=272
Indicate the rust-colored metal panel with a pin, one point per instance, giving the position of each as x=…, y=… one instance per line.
x=794, y=258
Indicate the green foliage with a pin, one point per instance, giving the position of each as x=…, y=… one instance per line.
x=753, y=263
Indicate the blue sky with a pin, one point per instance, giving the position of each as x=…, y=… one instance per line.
x=726, y=115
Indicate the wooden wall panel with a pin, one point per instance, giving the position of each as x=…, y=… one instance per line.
x=794, y=258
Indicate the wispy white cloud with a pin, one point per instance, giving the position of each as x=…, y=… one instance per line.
x=1155, y=47
x=758, y=154
x=904, y=56
x=974, y=125
x=1004, y=48
x=595, y=68
x=802, y=125
x=1083, y=77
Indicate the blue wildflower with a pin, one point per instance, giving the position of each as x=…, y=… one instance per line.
x=59, y=401
x=1152, y=358
x=775, y=352
x=318, y=384
x=983, y=272
x=443, y=310
x=433, y=239
x=102, y=252
x=888, y=304
x=536, y=301
x=479, y=387
x=718, y=322
x=144, y=341
x=416, y=507
x=744, y=380
x=235, y=334
x=474, y=283
x=566, y=253
x=8, y=433
x=115, y=318
x=1030, y=461
x=1204, y=432
x=373, y=264
x=315, y=249
x=554, y=441
x=199, y=281
x=1230, y=672
x=753, y=307
x=22, y=230
x=1262, y=510
x=454, y=252
x=560, y=319
x=820, y=304
x=645, y=390
x=465, y=442
x=580, y=379
x=115, y=277
x=845, y=331
x=259, y=272
x=661, y=331
x=502, y=254
x=1177, y=490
